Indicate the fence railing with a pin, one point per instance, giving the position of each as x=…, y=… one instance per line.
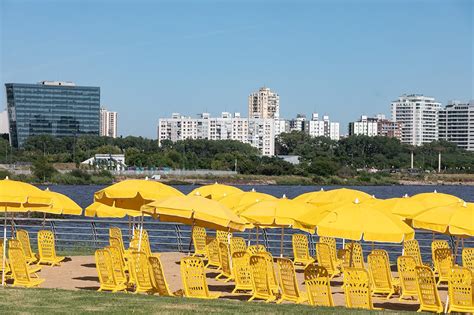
x=168, y=237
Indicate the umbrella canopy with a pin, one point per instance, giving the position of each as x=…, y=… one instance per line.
x=336, y=195
x=239, y=201
x=404, y=207
x=276, y=213
x=215, y=191
x=14, y=195
x=195, y=210
x=104, y=211
x=60, y=204
x=359, y=220
x=309, y=196
x=455, y=219
x=435, y=199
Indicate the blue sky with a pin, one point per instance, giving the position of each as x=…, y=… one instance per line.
x=152, y=58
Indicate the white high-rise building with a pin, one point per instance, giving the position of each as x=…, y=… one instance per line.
x=366, y=126
x=108, y=123
x=264, y=104
x=258, y=132
x=456, y=124
x=323, y=128
x=418, y=116
x=281, y=126
x=4, y=122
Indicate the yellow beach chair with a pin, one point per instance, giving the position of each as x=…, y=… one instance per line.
x=237, y=244
x=301, y=249
x=406, y=271
x=24, y=238
x=437, y=244
x=115, y=242
x=20, y=272
x=199, y=241
x=223, y=236
x=194, y=279
x=461, y=290
x=427, y=291
x=158, y=278
x=213, y=256
x=141, y=273
x=242, y=272
x=32, y=270
x=318, y=287
x=117, y=264
x=382, y=280
x=443, y=261
x=357, y=290
x=47, y=249
x=325, y=259
x=226, y=268
x=104, y=266
x=357, y=257
x=256, y=249
x=288, y=283
x=412, y=248
x=468, y=258
x=260, y=279
x=331, y=241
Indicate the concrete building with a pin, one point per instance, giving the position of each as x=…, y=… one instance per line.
x=297, y=124
x=281, y=126
x=55, y=108
x=456, y=124
x=418, y=116
x=322, y=128
x=375, y=126
x=108, y=123
x=258, y=132
x=264, y=104
x=4, y=122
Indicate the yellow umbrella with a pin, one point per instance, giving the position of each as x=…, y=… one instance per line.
x=60, y=204
x=195, y=210
x=336, y=195
x=239, y=201
x=215, y=191
x=104, y=211
x=454, y=219
x=404, y=207
x=435, y=199
x=14, y=195
x=358, y=220
x=309, y=196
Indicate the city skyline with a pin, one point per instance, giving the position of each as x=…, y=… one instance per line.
x=210, y=57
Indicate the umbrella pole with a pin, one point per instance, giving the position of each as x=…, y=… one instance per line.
x=133, y=227
x=257, y=234
x=191, y=239
x=129, y=229
x=249, y=235
x=44, y=219
x=4, y=258
x=281, y=241
x=12, y=229
x=351, y=251
x=456, y=250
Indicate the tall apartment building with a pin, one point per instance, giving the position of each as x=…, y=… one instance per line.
x=4, y=122
x=418, y=116
x=375, y=126
x=298, y=123
x=258, y=132
x=108, y=123
x=323, y=128
x=51, y=108
x=456, y=124
x=264, y=104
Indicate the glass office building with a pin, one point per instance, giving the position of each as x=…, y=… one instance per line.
x=59, y=109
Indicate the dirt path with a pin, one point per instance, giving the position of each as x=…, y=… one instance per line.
x=79, y=273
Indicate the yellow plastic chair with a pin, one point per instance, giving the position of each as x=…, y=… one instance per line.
x=260, y=281
x=256, y=249
x=427, y=291
x=194, y=279
x=412, y=248
x=301, y=249
x=357, y=291
x=115, y=242
x=104, y=266
x=47, y=249
x=32, y=270
x=318, y=286
x=468, y=258
x=223, y=236
x=331, y=241
x=288, y=283
x=19, y=268
x=158, y=277
x=141, y=273
x=443, y=261
x=382, y=280
x=144, y=243
x=237, y=244
x=343, y=255
x=406, y=271
x=7, y=264
x=116, y=232
x=213, y=256
x=24, y=238
x=272, y=277
x=199, y=241
x=460, y=290
x=242, y=272
x=117, y=264
x=357, y=257
x=437, y=244
x=325, y=259
x=226, y=264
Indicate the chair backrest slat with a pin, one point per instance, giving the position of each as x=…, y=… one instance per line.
x=318, y=286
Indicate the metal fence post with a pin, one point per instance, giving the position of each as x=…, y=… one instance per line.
x=94, y=233
x=179, y=237
x=265, y=238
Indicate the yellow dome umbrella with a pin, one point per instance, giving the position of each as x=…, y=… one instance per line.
x=435, y=199
x=215, y=191
x=239, y=201
x=404, y=207
x=336, y=195
x=104, y=211
x=454, y=219
x=276, y=213
x=60, y=204
x=312, y=195
x=14, y=195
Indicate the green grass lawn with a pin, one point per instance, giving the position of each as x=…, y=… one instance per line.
x=51, y=301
